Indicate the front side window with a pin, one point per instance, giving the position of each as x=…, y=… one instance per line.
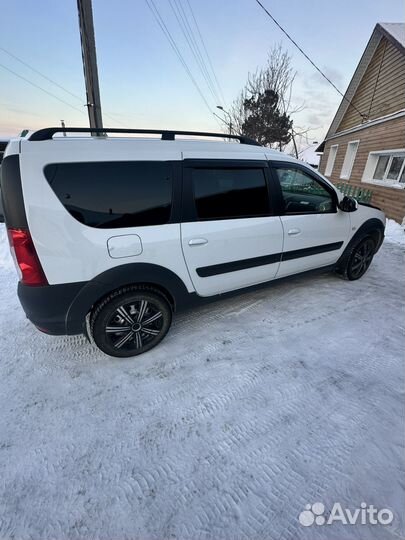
x=114, y=194
x=230, y=193
x=302, y=193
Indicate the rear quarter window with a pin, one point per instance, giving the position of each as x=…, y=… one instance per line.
x=114, y=194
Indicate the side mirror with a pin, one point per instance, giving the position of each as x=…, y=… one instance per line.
x=348, y=204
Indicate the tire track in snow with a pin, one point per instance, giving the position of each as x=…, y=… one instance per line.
x=260, y=522
x=248, y=382
x=213, y=348
x=233, y=439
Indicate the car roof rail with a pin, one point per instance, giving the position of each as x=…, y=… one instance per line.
x=46, y=134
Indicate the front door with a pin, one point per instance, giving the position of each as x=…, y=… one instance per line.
x=230, y=237
x=315, y=230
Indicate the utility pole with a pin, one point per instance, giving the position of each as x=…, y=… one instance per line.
x=90, y=63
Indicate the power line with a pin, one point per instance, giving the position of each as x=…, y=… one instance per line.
x=206, y=51
x=165, y=30
x=41, y=74
x=168, y=35
x=178, y=11
x=364, y=117
x=190, y=38
x=40, y=88
x=51, y=81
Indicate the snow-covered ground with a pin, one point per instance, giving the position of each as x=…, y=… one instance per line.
x=250, y=409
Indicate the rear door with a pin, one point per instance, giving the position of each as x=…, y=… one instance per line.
x=315, y=230
x=230, y=235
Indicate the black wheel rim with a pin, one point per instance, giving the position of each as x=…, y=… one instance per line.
x=362, y=258
x=134, y=325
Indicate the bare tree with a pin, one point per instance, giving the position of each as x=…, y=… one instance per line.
x=277, y=76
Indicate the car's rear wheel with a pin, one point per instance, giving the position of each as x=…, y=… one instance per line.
x=358, y=259
x=130, y=321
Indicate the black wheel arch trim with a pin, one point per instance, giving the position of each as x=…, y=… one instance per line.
x=370, y=226
x=169, y=283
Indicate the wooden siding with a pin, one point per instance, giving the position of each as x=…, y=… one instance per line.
x=389, y=135
x=382, y=88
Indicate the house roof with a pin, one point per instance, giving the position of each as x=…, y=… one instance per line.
x=395, y=33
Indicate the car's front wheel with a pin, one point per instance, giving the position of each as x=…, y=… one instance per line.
x=358, y=259
x=130, y=321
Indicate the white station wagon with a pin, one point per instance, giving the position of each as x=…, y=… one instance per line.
x=110, y=235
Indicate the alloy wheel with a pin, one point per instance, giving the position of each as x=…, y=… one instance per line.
x=134, y=325
x=362, y=258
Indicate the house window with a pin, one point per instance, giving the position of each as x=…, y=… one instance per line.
x=331, y=159
x=386, y=168
x=349, y=159
x=395, y=167
x=380, y=167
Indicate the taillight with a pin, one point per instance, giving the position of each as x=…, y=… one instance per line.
x=26, y=258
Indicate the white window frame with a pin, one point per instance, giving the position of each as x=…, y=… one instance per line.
x=331, y=159
x=371, y=164
x=348, y=162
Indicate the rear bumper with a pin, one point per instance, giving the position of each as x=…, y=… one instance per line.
x=47, y=307
x=61, y=309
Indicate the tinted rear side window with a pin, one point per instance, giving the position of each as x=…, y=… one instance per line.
x=230, y=193
x=114, y=194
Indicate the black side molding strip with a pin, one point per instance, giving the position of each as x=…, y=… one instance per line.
x=233, y=266
x=306, y=252
x=243, y=264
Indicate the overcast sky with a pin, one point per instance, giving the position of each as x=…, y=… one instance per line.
x=143, y=83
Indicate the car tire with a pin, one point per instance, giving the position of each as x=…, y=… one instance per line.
x=357, y=259
x=130, y=321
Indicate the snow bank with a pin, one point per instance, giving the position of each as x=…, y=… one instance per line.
x=5, y=257
x=394, y=232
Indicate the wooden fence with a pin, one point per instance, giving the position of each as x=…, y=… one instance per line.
x=359, y=193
